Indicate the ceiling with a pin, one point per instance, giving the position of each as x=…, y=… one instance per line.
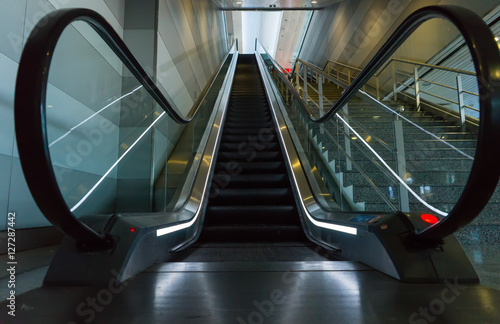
x=273, y=4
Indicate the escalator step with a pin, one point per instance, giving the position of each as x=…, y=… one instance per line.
x=241, y=146
x=250, y=167
x=260, y=214
x=247, y=131
x=249, y=154
x=278, y=180
x=253, y=233
x=252, y=196
x=243, y=138
x=247, y=124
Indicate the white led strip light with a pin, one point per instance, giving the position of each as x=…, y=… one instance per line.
x=91, y=116
x=116, y=163
x=175, y=228
x=334, y=227
x=392, y=171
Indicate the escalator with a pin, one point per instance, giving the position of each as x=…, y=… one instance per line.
x=241, y=220
x=251, y=211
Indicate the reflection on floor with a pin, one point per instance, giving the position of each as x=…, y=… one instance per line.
x=285, y=292
x=30, y=270
x=486, y=260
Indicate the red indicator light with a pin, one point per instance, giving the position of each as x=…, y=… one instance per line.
x=132, y=229
x=431, y=219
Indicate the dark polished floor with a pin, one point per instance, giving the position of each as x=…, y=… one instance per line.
x=279, y=292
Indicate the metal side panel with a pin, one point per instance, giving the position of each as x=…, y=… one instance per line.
x=375, y=239
x=144, y=239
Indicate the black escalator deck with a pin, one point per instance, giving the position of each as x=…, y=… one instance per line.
x=251, y=213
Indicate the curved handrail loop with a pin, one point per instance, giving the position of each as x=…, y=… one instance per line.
x=30, y=114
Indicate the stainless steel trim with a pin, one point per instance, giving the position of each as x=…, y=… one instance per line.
x=316, y=215
x=185, y=218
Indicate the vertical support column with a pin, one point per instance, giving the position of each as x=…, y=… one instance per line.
x=461, y=104
x=417, y=87
x=404, y=203
x=135, y=189
x=305, y=83
x=347, y=139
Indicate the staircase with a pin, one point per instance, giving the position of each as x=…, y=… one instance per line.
x=435, y=171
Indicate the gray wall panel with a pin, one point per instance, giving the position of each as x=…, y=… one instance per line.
x=5, y=166
x=8, y=74
x=353, y=31
x=82, y=72
x=140, y=14
x=21, y=201
x=12, y=28
x=193, y=34
x=172, y=37
x=117, y=7
x=35, y=10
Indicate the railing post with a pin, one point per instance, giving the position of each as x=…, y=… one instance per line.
x=348, y=77
x=377, y=80
x=417, y=87
x=395, y=84
x=404, y=203
x=321, y=111
x=461, y=108
x=347, y=139
x=286, y=95
x=338, y=78
x=305, y=83
x=297, y=77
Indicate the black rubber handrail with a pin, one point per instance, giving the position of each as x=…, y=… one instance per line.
x=30, y=114
x=484, y=49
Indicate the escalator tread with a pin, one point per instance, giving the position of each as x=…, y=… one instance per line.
x=250, y=213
